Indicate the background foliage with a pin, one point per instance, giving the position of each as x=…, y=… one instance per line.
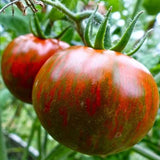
x=24, y=137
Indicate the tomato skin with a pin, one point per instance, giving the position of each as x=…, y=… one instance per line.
x=97, y=102
x=21, y=61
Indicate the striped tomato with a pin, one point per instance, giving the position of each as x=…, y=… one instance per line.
x=21, y=61
x=97, y=102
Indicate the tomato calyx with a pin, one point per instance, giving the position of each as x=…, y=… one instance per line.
x=36, y=29
x=103, y=36
x=100, y=36
x=83, y=22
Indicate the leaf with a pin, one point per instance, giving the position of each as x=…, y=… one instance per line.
x=67, y=37
x=18, y=24
x=117, y=5
x=5, y=97
x=85, y=1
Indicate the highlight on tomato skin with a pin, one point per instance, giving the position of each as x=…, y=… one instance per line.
x=97, y=102
x=21, y=61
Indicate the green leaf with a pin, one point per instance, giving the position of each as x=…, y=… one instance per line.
x=17, y=24
x=85, y=1
x=152, y=8
x=117, y=5
x=68, y=35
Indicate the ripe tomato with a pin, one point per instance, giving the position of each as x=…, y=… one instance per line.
x=97, y=102
x=21, y=61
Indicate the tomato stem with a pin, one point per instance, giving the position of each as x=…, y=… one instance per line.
x=38, y=27
x=77, y=18
x=61, y=8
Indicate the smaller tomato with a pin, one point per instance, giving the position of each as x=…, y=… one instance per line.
x=21, y=61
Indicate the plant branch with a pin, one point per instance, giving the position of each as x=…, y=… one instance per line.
x=7, y=5
x=61, y=8
x=77, y=18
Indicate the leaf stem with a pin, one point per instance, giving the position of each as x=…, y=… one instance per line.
x=33, y=129
x=145, y=152
x=44, y=144
x=3, y=154
x=61, y=8
x=39, y=143
x=38, y=27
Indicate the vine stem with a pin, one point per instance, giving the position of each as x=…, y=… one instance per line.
x=77, y=18
x=9, y=4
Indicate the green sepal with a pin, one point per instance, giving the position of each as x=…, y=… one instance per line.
x=126, y=36
x=87, y=33
x=35, y=27
x=138, y=46
x=48, y=28
x=38, y=27
x=107, y=38
x=32, y=29
x=62, y=33
x=100, y=36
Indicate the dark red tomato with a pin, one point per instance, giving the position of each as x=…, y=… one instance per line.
x=97, y=102
x=21, y=61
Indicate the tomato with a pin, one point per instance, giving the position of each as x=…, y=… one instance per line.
x=21, y=61
x=97, y=102
x=153, y=7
